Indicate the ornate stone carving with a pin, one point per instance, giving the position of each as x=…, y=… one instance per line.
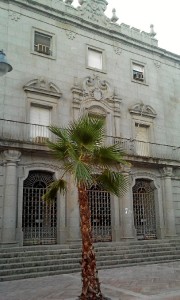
x=157, y=64
x=14, y=16
x=143, y=110
x=70, y=34
x=69, y=2
x=98, y=89
x=94, y=10
x=117, y=50
x=167, y=171
x=12, y=155
x=114, y=18
x=42, y=86
x=93, y=92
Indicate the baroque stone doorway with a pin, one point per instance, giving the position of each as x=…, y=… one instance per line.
x=39, y=219
x=144, y=209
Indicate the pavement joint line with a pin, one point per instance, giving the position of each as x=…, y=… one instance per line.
x=107, y=286
x=164, y=296
x=128, y=292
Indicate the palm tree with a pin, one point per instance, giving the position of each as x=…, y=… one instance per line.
x=82, y=149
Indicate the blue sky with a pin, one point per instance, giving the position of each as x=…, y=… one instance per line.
x=165, y=15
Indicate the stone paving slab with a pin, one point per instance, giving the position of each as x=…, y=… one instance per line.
x=148, y=282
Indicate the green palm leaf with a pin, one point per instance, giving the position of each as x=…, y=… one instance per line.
x=53, y=188
x=114, y=182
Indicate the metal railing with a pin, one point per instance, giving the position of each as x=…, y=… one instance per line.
x=39, y=134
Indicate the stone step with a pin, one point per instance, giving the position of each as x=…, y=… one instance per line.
x=36, y=261
x=51, y=260
x=71, y=257
x=29, y=252
x=71, y=268
x=135, y=244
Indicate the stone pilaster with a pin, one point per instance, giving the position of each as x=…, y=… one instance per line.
x=11, y=158
x=73, y=219
x=170, y=229
x=127, y=216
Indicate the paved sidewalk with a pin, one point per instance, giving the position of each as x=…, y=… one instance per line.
x=149, y=282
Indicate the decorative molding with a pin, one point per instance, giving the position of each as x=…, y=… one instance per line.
x=94, y=87
x=157, y=64
x=144, y=175
x=14, y=15
x=40, y=165
x=167, y=171
x=12, y=155
x=70, y=34
x=93, y=10
x=117, y=50
x=42, y=86
x=143, y=110
x=69, y=2
x=93, y=92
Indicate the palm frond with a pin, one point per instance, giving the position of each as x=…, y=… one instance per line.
x=82, y=173
x=53, y=188
x=113, y=182
x=61, y=133
x=87, y=131
x=108, y=156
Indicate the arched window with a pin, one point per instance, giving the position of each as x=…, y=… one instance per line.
x=144, y=209
x=100, y=206
x=39, y=216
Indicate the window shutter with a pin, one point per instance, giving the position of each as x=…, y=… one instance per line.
x=95, y=59
x=40, y=119
x=138, y=68
x=142, y=140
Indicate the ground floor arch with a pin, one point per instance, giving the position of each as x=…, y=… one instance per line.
x=144, y=209
x=39, y=218
x=100, y=207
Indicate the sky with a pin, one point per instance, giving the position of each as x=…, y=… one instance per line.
x=163, y=14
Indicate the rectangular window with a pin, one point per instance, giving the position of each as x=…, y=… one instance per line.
x=142, y=139
x=95, y=58
x=138, y=72
x=42, y=43
x=40, y=119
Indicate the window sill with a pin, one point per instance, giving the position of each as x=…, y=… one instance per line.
x=96, y=70
x=43, y=55
x=140, y=82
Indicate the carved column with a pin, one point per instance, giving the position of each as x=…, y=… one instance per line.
x=127, y=216
x=170, y=229
x=10, y=196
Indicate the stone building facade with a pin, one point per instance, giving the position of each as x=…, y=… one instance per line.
x=69, y=61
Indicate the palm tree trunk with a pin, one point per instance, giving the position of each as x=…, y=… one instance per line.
x=90, y=281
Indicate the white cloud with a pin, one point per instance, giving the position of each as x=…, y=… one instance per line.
x=165, y=15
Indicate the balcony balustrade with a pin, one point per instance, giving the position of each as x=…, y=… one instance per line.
x=38, y=134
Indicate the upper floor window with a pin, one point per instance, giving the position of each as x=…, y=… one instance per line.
x=95, y=59
x=43, y=43
x=139, y=72
x=40, y=118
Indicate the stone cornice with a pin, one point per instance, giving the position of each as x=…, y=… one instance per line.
x=121, y=33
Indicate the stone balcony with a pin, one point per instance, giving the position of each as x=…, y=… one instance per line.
x=37, y=135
